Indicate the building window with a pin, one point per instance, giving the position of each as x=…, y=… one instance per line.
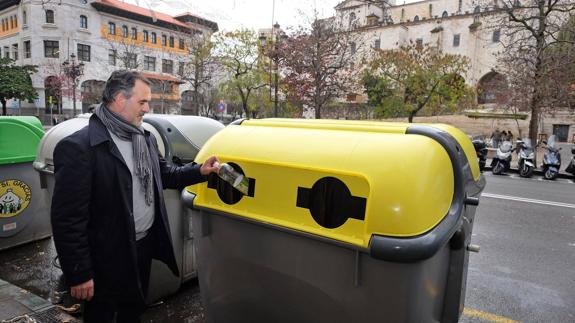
x=6, y=52
x=145, y=36
x=84, y=52
x=416, y=18
x=430, y=10
x=351, y=19
x=172, y=41
x=134, y=33
x=15, y=51
x=419, y=43
x=181, y=68
x=444, y=14
x=11, y=22
x=27, y=49
x=24, y=17
x=402, y=14
x=456, y=40
x=496, y=35
x=125, y=31
x=131, y=60
x=459, y=6
x=83, y=22
x=149, y=63
x=154, y=38
x=353, y=48
x=15, y=21
x=477, y=9
x=377, y=44
x=51, y=49
x=164, y=40
x=167, y=66
x=112, y=54
x=181, y=43
x=49, y=16
x=111, y=28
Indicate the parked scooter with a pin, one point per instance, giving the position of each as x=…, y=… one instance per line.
x=571, y=167
x=551, y=159
x=526, y=158
x=502, y=160
x=481, y=151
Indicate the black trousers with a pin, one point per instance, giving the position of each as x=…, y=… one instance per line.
x=125, y=311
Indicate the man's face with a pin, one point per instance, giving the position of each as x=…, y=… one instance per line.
x=133, y=109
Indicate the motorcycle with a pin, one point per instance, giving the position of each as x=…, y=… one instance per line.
x=551, y=159
x=571, y=167
x=481, y=151
x=526, y=158
x=502, y=160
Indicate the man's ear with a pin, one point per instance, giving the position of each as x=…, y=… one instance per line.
x=118, y=102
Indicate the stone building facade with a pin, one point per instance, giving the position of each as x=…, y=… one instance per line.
x=463, y=27
x=103, y=36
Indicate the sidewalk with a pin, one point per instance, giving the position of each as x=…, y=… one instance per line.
x=17, y=303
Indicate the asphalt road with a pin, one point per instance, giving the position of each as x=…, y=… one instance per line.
x=523, y=273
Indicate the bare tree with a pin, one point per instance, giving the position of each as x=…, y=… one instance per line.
x=318, y=62
x=199, y=69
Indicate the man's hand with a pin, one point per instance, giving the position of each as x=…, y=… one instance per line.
x=84, y=291
x=211, y=165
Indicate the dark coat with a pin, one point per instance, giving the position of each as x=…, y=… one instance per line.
x=92, y=222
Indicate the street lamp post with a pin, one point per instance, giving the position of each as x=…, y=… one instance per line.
x=73, y=71
x=276, y=37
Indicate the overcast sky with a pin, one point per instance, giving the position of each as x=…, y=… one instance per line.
x=253, y=14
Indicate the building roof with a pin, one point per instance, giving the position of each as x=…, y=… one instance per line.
x=134, y=12
x=8, y=3
x=188, y=17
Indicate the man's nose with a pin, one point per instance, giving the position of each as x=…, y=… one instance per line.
x=146, y=108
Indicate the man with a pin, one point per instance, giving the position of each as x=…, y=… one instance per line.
x=108, y=213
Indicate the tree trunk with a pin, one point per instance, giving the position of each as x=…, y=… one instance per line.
x=3, y=101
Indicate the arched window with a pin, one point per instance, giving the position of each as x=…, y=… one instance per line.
x=477, y=9
x=351, y=18
x=125, y=31
x=83, y=22
x=444, y=14
x=145, y=36
x=154, y=38
x=49, y=16
x=111, y=28
x=416, y=18
x=134, y=33
x=24, y=17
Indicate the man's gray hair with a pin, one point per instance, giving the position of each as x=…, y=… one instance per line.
x=121, y=81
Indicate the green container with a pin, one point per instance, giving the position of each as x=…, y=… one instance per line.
x=24, y=213
x=19, y=138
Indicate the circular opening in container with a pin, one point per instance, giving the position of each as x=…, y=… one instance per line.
x=227, y=193
x=330, y=202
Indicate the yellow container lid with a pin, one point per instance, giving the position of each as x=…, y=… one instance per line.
x=342, y=180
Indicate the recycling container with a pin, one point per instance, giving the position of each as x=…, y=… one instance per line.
x=344, y=221
x=179, y=139
x=23, y=214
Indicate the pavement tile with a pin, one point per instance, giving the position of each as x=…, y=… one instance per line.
x=10, y=308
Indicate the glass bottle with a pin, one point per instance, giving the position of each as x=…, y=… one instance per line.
x=237, y=180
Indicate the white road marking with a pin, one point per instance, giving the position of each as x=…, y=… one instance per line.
x=526, y=200
x=534, y=178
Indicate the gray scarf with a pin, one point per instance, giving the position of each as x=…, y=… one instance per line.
x=127, y=131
